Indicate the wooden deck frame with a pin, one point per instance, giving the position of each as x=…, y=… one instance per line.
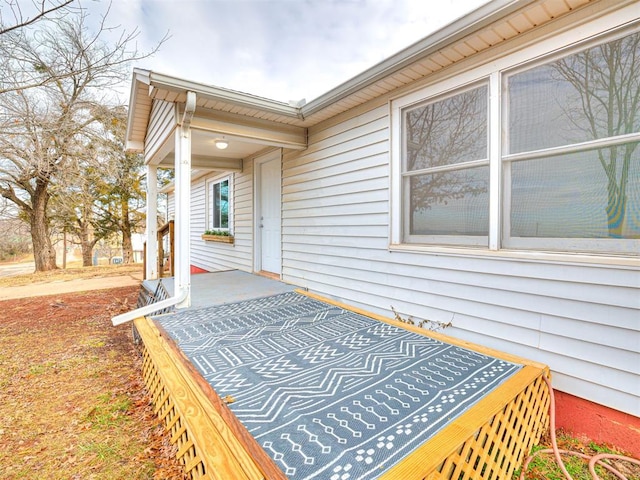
x=211, y=442
x=488, y=441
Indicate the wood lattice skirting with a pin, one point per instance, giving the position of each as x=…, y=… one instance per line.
x=210, y=445
x=495, y=449
x=488, y=441
x=166, y=408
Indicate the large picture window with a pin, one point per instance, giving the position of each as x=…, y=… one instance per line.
x=219, y=204
x=445, y=171
x=542, y=156
x=572, y=161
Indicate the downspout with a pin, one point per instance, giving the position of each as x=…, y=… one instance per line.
x=182, y=256
x=182, y=292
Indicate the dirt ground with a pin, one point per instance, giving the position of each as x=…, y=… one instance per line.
x=72, y=400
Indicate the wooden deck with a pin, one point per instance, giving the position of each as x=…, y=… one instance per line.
x=487, y=441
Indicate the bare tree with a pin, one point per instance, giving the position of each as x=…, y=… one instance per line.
x=44, y=129
x=606, y=83
x=121, y=197
x=14, y=16
x=120, y=204
x=14, y=240
x=100, y=194
x=74, y=208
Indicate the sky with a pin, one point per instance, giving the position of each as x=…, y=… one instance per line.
x=279, y=49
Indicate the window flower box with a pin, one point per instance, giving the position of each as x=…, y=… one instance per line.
x=210, y=237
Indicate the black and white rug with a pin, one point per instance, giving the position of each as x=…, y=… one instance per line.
x=328, y=393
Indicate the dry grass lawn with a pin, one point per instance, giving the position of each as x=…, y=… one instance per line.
x=72, y=400
x=70, y=274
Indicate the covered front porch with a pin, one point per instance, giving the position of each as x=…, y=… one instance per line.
x=200, y=130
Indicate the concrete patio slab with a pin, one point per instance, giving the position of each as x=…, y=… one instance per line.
x=228, y=286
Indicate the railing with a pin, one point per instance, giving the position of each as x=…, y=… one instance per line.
x=147, y=297
x=165, y=259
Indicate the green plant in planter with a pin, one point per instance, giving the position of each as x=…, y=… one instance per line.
x=219, y=233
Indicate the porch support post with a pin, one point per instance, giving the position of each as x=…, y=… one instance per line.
x=151, y=259
x=182, y=255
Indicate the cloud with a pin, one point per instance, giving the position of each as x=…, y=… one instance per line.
x=281, y=49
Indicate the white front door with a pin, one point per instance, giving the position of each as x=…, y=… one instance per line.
x=268, y=213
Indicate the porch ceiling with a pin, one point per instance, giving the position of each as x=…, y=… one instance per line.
x=206, y=156
x=245, y=139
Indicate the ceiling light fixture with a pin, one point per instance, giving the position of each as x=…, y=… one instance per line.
x=221, y=143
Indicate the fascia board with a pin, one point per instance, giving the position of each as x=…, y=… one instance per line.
x=195, y=175
x=203, y=163
x=169, y=187
x=479, y=18
x=134, y=146
x=166, y=82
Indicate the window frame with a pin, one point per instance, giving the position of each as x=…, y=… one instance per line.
x=399, y=228
x=406, y=175
x=209, y=211
x=598, y=246
x=496, y=72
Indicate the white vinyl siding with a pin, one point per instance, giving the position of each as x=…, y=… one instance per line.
x=212, y=256
x=580, y=319
x=161, y=122
x=171, y=206
x=334, y=193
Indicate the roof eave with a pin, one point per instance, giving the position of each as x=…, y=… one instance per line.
x=179, y=85
x=460, y=28
x=476, y=20
x=133, y=144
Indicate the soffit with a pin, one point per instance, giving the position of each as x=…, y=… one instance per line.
x=140, y=110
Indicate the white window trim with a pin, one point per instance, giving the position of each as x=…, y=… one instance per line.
x=466, y=81
x=605, y=28
x=463, y=240
x=397, y=106
x=210, y=182
x=495, y=165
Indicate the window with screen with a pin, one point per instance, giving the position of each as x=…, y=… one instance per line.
x=445, y=169
x=219, y=204
x=542, y=156
x=571, y=161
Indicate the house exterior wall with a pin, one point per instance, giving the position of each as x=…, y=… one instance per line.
x=213, y=256
x=579, y=315
x=171, y=206
x=161, y=122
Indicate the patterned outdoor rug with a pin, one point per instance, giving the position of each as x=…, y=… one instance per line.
x=328, y=393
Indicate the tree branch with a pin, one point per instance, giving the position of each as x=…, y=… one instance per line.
x=42, y=12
